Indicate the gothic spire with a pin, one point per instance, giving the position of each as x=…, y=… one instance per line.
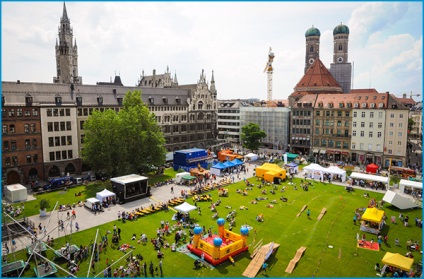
x=65, y=14
x=175, y=78
x=212, y=88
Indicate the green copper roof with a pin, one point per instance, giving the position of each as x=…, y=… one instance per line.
x=312, y=32
x=341, y=29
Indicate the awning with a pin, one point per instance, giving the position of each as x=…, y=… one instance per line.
x=322, y=152
x=188, y=177
x=316, y=151
x=345, y=153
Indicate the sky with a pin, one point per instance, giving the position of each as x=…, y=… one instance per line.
x=232, y=39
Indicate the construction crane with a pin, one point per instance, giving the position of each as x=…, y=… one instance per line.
x=414, y=95
x=268, y=69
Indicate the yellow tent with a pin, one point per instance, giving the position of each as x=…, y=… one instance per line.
x=397, y=260
x=373, y=215
x=269, y=171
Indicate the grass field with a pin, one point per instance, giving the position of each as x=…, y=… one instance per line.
x=335, y=229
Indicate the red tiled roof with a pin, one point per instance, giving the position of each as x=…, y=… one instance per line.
x=318, y=79
x=365, y=90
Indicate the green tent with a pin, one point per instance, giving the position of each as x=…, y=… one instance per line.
x=188, y=177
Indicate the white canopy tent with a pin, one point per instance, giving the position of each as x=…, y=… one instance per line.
x=337, y=171
x=370, y=177
x=16, y=193
x=103, y=195
x=185, y=207
x=400, y=201
x=251, y=157
x=314, y=171
x=409, y=183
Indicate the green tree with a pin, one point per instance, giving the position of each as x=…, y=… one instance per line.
x=251, y=136
x=411, y=123
x=124, y=142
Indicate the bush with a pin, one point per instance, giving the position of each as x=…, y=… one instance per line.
x=44, y=204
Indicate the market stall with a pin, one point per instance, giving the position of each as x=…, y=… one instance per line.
x=179, y=176
x=314, y=171
x=270, y=172
x=217, y=169
x=106, y=196
x=334, y=170
x=251, y=157
x=16, y=193
x=372, y=168
x=369, y=177
x=396, y=260
x=372, y=220
x=293, y=167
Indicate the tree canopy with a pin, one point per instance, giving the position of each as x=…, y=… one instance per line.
x=251, y=136
x=124, y=142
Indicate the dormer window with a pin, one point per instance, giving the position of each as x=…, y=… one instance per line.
x=79, y=101
x=100, y=100
x=151, y=100
x=349, y=105
x=58, y=100
x=320, y=104
x=341, y=105
x=165, y=99
x=364, y=105
x=372, y=105
x=355, y=105
x=119, y=99
x=374, y=97
x=178, y=100
x=380, y=105
x=359, y=97
x=330, y=105
x=28, y=100
x=366, y=97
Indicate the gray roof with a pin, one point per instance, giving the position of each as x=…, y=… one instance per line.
x=44, y=94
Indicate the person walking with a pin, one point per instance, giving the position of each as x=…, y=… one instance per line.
x=77, y=226
x=160, y=267
x=145, y=269
x=308, y=213
x=354, y=219
x=151, y=269
x=264, y=266
x=119, y=233
x=172, y=189
x=74, y=214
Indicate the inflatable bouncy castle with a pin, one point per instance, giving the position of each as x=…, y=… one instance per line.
x=216, y=249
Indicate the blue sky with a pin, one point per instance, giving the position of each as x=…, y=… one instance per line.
x=230, y=38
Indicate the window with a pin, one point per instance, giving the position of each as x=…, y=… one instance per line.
x=32, y=128
x=27, y=144
x=13, y=145
x=380, y=125
x=56, y=141
x=346, y=123
x=371, y=124
x=34, y=143
x=363, y=114
x=400, y=125
x=64, y=154
x=378, y=147
x=380, y=114
x=58, y=155
x=51, y=155
x=58, y=100
x=347, y=114
x=19, y=112
x=63, y=140
x=68, y=112
x=355, y=114
x=392, y=124
x=15, y=160
x=62, y=126
x=324, y=142
x=392, y=115
x=49, y=112
x=362, y=133
x=361, y=146
x=5, y=145
x=362, y=124
x=354, y=133
x=70, y=154
x=56, y=126
x=338, y=144
x=100, y=101
x=79, y=101
x=35, y=158
x=390, y=142
x=27, y=113
x=11, y=112
x=69, y=140
x=7, y=161
x=399, y=134
x=390, y=133
x=390, y=151
x=317, y=113
x=371, y=114
x=330, y=143
x=55, y=112
x=370, y=134
x=369, y=146
x=399, y=143
x=28, y=159
x=339, y=123
x=353, y=145
x=12, y=129
x=61, y=112
x=50, y=126
x=26, y=128
x=68, y=125
x=317, y=131
x=4, y=130
x=401, y=115
x=378, y=134
x=28, y=100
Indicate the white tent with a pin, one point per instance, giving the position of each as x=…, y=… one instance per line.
x=338, y=171
x=16, y=193
x=370, y=177
x=398, y=200
x=314, y=171
x=104, y=194
x=178, y=176
x=185, y=207
x=251, y=157
x=409, y=183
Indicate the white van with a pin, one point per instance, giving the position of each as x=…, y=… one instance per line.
x=78, y=181
x=90, y=202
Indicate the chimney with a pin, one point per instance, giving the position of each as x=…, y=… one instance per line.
x=404, y=95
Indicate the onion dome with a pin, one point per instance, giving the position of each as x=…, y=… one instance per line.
x=341, y=29
x=312, y=32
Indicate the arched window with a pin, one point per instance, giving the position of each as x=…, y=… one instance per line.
x=340, y=47
x=311, y=49
x=200, y=105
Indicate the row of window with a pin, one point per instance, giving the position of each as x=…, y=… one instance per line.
x=303, y=131
x=28, y=128
x=13, y=161
x=60, y=155
x=331, y=123
x=302, y=122
x=370, y=115
x=19, y=112
x=59, y=126
x=11, y=145
x=60, y=141
x=331, y=143
x=329, y=131
x=168, y=108
x=58, y=112
x=89, y=111
x=370, y=134
x=301, y=113
x=332, y=113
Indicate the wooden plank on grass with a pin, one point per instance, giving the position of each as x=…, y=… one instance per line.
x=303, y=209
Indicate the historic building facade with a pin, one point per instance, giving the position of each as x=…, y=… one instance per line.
x=43, y=124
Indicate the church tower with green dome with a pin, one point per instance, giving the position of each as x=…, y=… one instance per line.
x=312, y=36
x=341, y=68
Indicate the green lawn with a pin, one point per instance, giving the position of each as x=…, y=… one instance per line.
x=281, y=226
